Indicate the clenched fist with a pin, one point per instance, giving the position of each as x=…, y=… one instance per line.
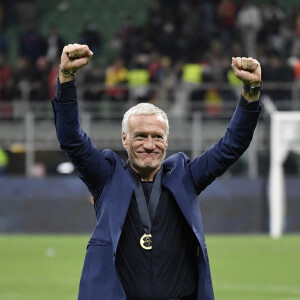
x=248, y=70
x=73, y=57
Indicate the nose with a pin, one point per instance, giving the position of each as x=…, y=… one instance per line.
x=149, y=143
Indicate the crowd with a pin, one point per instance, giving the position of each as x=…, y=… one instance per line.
x=184, y=46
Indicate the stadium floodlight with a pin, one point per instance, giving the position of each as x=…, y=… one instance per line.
x=285, y=137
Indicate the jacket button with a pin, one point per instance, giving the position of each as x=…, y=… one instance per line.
x=121, y=228
x=114, y=254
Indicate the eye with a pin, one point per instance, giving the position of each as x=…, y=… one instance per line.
x=159, y=137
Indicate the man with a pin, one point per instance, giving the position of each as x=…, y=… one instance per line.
x=148, y=242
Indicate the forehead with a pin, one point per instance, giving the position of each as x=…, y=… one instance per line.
x=147, y=123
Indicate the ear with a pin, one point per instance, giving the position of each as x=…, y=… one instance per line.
x=124, y=140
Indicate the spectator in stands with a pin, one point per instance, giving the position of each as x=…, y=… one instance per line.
x=189, y=88
x=116, y=78
x=54, y=44
x=94, y=83
x=227, y=10
x=23, y=73
x=216, y=60
x=276, y=74
x=273, y=18
x=192, y=36
x=123, y=33
x=249, y=23
x=139, y=79
x=91, y=36
x=167, y=77
x=32, y=44
x=135, y=44
x=208, y=18
x=167, y=41
x=155, y=19
x=155, y=72
x=214, y=72
x=149, y=241
x=154, y=67
x=39, y=79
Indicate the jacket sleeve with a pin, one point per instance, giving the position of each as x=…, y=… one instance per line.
x=217, y=159
x=92, y=166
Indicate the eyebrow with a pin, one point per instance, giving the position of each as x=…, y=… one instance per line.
x=146, y=132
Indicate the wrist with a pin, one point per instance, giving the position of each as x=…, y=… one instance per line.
x=66, y=75
x=253, y=88
x=250, y=97
x=251, y=92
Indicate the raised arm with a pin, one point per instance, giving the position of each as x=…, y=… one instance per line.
x=216, y=160
x=90, y=163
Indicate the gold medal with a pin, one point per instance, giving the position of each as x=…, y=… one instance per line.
x=146, y=241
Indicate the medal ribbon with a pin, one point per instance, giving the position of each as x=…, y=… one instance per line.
x=146, y=212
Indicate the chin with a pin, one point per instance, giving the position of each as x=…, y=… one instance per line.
x=147, y=165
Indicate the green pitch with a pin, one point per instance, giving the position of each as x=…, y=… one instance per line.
x=243, y=267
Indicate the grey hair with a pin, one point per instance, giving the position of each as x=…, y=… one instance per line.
x=143, y=109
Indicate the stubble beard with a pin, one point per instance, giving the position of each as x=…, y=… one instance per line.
x=144, y=171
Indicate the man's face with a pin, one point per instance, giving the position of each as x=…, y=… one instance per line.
x=146, y=142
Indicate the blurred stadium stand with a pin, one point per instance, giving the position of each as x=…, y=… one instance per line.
x=28, y=134
x=71, y=16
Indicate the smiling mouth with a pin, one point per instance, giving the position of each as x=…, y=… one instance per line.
x=149, y=154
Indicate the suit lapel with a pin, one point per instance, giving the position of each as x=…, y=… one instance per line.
x=175, y=185
x=187, y=204
x=122, y=191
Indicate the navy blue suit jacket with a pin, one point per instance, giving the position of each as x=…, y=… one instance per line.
x=111, y=186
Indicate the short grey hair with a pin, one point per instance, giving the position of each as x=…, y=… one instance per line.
x=143, y=109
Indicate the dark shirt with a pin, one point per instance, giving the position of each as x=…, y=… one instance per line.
x=169, y=269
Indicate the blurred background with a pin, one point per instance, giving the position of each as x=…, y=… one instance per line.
x=175, y=54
